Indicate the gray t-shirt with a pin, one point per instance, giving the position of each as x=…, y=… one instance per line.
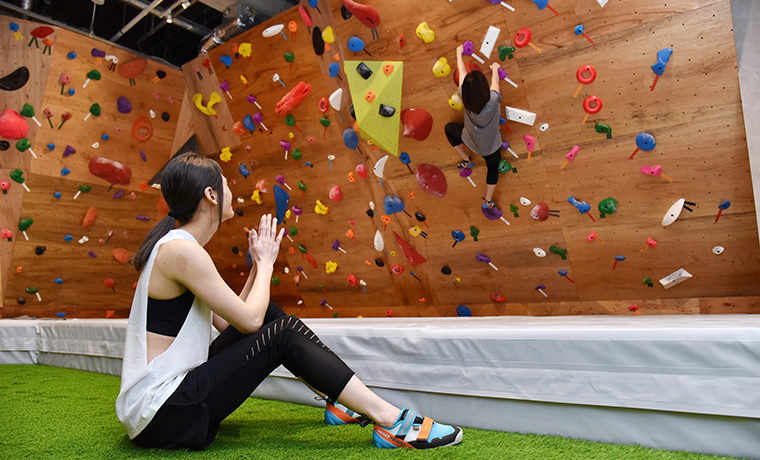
x=481, y=130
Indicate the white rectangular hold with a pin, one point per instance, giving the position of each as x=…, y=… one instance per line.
x=490, y=41
x=677, y=277
x=520, y=116
x=601, y=2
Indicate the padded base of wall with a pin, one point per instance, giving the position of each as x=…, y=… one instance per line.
x=672, y=382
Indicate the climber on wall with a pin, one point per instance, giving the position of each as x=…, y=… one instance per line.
x=480, y=130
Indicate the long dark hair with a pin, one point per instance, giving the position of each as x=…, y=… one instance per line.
x=183, y=181
x=475, y=91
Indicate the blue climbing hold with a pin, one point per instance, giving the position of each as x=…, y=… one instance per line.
x=333, y=68
x=350, y=138
x=57, y=195
x=248, y=123
x=355, y=44
x=244, y=170
x=404, y=157
x=645, y=141
x=463, y=310
x=282, y=199
x=663, y=56
x=226, y=60
x=582, y=206
x=393, y=204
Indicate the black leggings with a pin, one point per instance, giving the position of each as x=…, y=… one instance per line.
x=454, y=135
x=237, y=364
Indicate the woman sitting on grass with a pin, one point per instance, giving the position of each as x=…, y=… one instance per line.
x=176, y=384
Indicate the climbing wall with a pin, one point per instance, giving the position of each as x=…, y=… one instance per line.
x=572, y=259
x=73, y=268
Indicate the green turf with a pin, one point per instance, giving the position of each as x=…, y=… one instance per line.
x=56, y=413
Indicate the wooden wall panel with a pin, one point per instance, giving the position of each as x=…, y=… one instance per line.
x=694, y=113
x=17, y=53
x=83, y=292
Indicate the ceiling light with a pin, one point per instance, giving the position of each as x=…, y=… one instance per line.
x=186, y=4
x=169, y=18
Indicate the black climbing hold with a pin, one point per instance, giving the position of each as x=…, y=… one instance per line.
x=4, y=145
x=317, y=42
x=446, y=270
x=386, y=111
x=344, y=13
x=15, y=80
x=165, y=116
x=39, y=250
x=379, y=262
x=364, y=70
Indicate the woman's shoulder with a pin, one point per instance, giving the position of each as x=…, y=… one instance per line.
x=180, y=246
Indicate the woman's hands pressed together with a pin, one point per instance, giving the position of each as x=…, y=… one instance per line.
x=264, y=244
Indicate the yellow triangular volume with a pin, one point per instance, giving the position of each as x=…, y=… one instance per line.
x=385, y=82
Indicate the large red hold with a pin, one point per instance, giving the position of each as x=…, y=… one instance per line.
x=111, y=171
x=412, y=256
x=42, y=31
x=292, y=99
x=367, y=14
x=133, y=68
x=417, y=123
x=431, y=179
x=13, y=125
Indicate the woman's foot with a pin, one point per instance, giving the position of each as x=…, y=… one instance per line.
x=465, y=164
x=488, y=204
x=338, y=414
x=415, y=432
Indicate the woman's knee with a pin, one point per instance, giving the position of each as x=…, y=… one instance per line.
x=454, y=133
x=273, y=313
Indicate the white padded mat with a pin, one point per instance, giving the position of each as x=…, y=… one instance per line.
x=707, y=364
x=686, y=382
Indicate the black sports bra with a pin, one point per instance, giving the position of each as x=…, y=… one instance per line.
x=166, y=316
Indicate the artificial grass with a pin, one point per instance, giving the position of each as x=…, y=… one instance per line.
x=50, y=412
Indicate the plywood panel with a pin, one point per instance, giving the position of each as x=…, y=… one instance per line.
x=17, y=53
x=82, y=267
x=54, y=218
x=694, y=113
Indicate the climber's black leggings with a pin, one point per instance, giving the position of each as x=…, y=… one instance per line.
x=454, y=136
x=237, y=364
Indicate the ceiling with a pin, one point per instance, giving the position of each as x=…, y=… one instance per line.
x=175, y=43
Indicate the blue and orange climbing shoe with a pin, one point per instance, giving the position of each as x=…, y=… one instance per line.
x=465, y=164
x=488, y=204
x=338, y=414
x=415, y=432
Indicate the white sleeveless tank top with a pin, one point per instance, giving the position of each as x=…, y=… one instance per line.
x=146, y=386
